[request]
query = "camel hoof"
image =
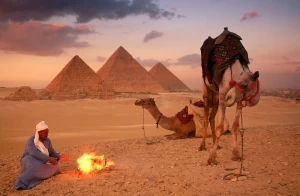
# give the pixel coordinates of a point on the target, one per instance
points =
(212, 161)
(198, 136)
(227, 132)
(236, 158)
(212, 158)
(219, 147)
(202, 148)
(236, 155)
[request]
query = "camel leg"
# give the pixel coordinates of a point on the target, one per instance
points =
(226, 126)
(197, 125)
(213, 115)
(175, 136)
(235, 126)
(219, 129)
(206, 112)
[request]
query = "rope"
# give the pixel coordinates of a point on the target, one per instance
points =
(233, 175)
(242, 130)
(143, 127)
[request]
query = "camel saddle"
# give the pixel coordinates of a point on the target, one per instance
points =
(183, 115)
(219, 53)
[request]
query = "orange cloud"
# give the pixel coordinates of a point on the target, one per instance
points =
(41, 39)
(249, 15)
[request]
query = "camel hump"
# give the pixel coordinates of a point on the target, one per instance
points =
(223, 35)
(198, 110)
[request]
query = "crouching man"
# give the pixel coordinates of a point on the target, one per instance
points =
(39, 160)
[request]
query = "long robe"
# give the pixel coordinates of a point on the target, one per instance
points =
(34, 166)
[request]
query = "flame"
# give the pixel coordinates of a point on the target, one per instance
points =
(88, 163)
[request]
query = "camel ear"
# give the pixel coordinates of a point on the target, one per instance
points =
(255, 75)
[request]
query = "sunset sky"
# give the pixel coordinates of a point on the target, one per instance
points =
(38, 38)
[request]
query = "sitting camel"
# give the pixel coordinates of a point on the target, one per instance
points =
(173, 123)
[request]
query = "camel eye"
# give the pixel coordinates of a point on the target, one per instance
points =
(244, 86)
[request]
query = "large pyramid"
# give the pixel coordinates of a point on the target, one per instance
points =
(124, 74)
(76, 81)
(167, 78)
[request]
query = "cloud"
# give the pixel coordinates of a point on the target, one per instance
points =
(41, 39)
(191, 59)
(151, 62)
(84, 11)
(152, 35)
(101, 58)
(286, 58)
(288, 63)
(181, 16)
(249, 15)
(297, 70)
(146, 62)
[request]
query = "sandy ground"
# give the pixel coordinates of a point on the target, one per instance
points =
(168, 167)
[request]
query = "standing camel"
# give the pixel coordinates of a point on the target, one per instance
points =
(173, 123)
(226, 80)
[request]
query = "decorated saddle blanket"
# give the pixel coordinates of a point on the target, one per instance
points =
(218, 55)
(183, 114)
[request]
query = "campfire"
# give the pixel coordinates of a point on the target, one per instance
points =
(88, 163)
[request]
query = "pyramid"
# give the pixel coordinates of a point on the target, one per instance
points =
(124, 74)
(24, 93)
(167, 78)
(76, 81)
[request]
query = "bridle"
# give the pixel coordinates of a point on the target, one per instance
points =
(256, 83)
(143, 127)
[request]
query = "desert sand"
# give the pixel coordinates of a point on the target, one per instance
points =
(167, 167)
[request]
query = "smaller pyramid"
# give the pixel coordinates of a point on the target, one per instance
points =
(168, 79)
(124, 74)
(24, 93)
(76, 81)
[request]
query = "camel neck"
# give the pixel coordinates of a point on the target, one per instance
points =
(160, 119)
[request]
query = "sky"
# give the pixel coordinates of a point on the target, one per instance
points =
(38, 38)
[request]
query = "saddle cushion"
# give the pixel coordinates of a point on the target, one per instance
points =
(183, 114)
(225, 54)
(222, 56)
(206, 52)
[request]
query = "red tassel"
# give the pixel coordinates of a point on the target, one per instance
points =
(232, 83)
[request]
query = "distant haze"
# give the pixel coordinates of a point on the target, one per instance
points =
(280, 80)
(267, 81)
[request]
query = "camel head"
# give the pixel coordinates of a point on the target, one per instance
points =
(145, 103)
(246, 88)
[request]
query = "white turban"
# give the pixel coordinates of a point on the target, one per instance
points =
(39, 127)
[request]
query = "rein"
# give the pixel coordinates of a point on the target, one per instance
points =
(157, 122)
(143, 127)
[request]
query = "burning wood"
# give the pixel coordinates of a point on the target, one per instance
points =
(88, 163)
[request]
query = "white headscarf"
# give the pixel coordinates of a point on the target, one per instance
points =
(39, 127)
